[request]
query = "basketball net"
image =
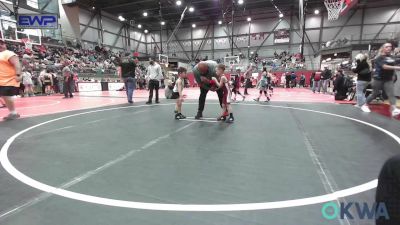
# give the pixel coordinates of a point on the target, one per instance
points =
(334, 8)
(27, 42)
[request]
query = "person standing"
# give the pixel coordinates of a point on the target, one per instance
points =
(325, 79)
(203, 73)
(262, 86)
(28, 83)
(288, 79)
(128, 75)
(247, 81)
(68, 80)
(10, 77)
(363, 72)
(294, 80)
(236, 85)
(223, 84)
(178, 93)
(317, 82)
(302, 80)
(154, 75)
(312, 80)
(385, 66)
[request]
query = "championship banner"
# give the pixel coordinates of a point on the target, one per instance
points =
(281, 36)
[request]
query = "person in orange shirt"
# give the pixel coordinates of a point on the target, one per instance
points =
(10, 77)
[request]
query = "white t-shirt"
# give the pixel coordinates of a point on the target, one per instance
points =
(27, 78)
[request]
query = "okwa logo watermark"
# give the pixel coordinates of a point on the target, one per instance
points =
(355, 210)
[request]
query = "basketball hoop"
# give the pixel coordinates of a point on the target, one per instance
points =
(334, 7)
(27, 42)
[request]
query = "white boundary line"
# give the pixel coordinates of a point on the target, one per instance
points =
(5, 162)
(204, 121)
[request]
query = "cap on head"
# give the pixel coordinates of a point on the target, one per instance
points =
(202, 67)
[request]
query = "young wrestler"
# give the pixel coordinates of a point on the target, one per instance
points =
(262, 85)
(236, 86)
(223, 84)
(177, 92)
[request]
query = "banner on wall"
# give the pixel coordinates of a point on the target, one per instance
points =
(115, 86)
(281, 36)
(89, 87)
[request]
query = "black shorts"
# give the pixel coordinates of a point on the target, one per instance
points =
(175, 95)
(9, 91)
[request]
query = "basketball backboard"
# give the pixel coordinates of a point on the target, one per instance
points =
(163, 59)
(231, 60)
(347, 5)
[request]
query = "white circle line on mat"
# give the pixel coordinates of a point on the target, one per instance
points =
(5, 162)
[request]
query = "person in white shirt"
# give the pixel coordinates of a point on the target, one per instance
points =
(154, 76)
(28, 83)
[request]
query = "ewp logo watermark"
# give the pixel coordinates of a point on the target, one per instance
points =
(37, 21)
(351, 210)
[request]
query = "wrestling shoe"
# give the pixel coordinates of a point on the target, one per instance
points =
(221, 118)
(11, 117)
(179, 116)
(230, 119)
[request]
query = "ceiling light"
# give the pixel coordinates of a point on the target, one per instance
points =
(191, 9)
(240, 2)
(146, 31)
(220, 22)
(139, 26)
(162, 23)
(248, 19)
(178, 2)
(121, 18)
(93, 8)
(145, 14)
(280, 15)
(194, 25)
(316, 12)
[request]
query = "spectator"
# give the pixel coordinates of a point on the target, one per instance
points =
(340, 88)
(28, 83)
(363, 72)
(10, 77)
(385, 66)
(128, 74)
(326, 76)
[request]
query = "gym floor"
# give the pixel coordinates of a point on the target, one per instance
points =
(107, 162)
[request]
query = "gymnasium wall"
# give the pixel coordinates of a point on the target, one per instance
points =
(113, 38)
(358, 26)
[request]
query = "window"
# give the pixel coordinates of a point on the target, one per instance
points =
(33, 3)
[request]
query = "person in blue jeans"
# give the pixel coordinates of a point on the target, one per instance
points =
(325, 78)
(383, 79)
(363, 71)
(128, 69)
